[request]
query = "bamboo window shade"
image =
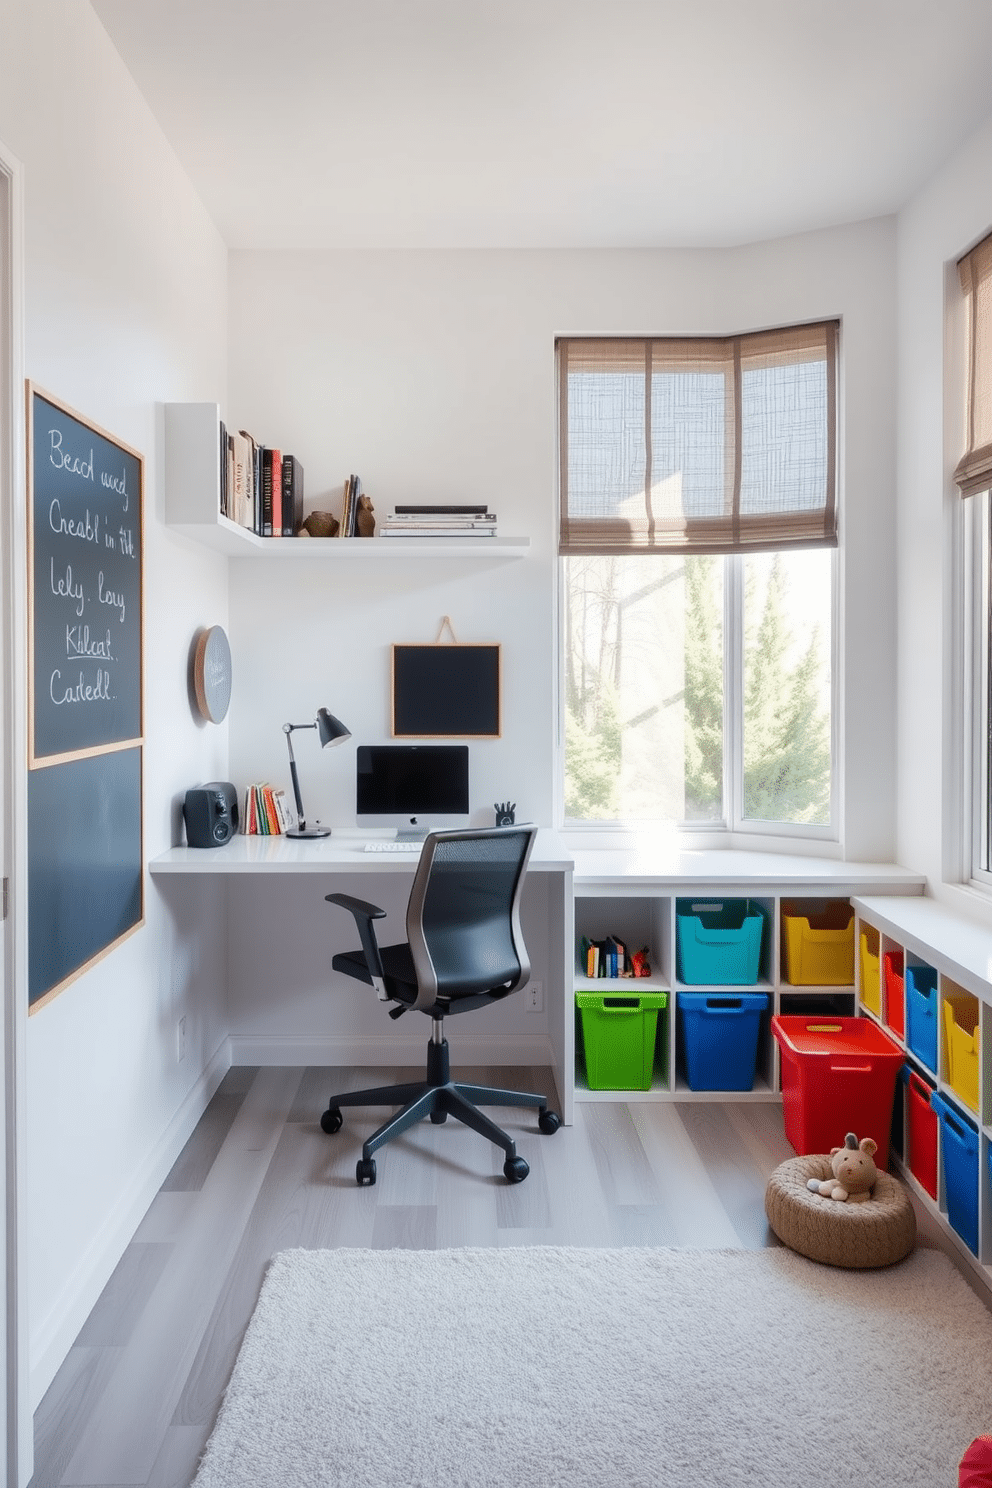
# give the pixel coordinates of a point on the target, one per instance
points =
(699, 445)
(974, 469)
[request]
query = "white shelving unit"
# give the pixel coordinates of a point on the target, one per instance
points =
(926, 934)
(192, 507)
(638, 905)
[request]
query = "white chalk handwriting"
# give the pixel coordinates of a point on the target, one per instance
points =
(62, 460)
(81, 691)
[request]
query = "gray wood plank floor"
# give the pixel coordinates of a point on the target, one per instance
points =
(137, 1396)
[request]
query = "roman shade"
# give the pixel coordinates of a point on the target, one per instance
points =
(698, 445)
(974, 469)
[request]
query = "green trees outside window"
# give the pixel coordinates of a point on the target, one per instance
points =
(698, 689)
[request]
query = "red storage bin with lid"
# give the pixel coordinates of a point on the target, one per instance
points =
(838, 1075)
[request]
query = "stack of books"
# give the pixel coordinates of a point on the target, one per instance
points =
(267, 812)
(440, 521)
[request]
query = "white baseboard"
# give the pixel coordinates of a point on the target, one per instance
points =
(55, 1335)
(384, 1051)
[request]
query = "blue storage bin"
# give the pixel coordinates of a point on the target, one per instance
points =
(720, 1038)
(921, 1014)
(718, 943)
(959, 1150)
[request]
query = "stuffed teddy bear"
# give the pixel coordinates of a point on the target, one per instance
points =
(854, 1172)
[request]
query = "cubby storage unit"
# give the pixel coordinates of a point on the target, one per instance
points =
(721, 907)
(946, 1085)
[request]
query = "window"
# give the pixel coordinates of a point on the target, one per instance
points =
(973, 476)
(698, 518)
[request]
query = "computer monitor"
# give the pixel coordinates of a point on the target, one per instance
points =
(412, 787)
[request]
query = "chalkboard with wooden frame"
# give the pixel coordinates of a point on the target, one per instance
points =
(85, 509)
(445, 691)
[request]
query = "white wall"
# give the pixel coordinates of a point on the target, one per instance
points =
(432, 375)
(941, 223)
(125, 308)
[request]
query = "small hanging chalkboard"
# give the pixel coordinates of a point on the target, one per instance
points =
(445, 691)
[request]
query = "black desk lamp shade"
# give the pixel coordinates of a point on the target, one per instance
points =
(330, 730)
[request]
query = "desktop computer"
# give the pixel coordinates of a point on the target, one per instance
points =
(412, 788)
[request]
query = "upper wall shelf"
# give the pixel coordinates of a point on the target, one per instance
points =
(192, 506)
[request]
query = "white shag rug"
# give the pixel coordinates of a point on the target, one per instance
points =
(636, 1368)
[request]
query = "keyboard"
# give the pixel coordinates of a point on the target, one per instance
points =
(391, 845)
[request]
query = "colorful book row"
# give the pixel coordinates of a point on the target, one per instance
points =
(610, 958)
(267, 813)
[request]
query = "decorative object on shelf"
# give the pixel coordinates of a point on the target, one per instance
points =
(319, 524)
(853, 1172)
(212, 674)
(351, 504)
(330, 730)
(364, 518)
(505, 813)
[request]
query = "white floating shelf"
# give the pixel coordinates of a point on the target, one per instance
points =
(225, 536)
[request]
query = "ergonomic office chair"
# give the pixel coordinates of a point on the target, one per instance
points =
(464, 949)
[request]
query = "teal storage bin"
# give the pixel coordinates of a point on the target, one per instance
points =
(720, 1038)
(718, 943)
(921, 1014)
(959, 1150)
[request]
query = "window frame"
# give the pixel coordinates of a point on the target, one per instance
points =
(977, 641)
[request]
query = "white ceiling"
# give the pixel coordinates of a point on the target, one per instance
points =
(553, 123)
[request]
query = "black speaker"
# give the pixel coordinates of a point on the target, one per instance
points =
(211, 814)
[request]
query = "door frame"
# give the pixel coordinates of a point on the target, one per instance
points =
(17, 1445)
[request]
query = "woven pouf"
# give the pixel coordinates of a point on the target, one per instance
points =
(878, 1232)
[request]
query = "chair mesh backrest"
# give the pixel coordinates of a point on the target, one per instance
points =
(464, 910)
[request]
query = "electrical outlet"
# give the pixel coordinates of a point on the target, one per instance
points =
(181, 1039)
(535, 997)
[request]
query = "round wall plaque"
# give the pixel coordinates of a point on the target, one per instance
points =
(212, 674)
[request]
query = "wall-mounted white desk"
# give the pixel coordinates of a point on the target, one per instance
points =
(593, 892)
(299, 872)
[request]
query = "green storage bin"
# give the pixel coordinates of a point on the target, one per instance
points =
(618, 1035)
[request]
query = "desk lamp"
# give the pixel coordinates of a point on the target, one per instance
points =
(330, 730)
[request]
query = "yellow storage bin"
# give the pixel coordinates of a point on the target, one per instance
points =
(961, 1044)
(819, 943)
(871, 981)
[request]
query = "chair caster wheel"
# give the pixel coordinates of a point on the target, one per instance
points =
(515, 1169)
(332, 1120)
(365, 1172)
(439, 1117)
(549, 1122)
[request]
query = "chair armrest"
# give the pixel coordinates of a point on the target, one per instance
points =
(364, 914)
(356, 906)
